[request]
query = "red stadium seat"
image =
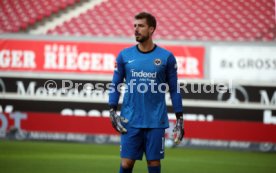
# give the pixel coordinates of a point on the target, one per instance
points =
(233, 20)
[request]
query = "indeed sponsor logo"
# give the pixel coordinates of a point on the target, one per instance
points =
(143, 74)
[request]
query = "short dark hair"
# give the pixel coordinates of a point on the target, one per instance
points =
(151, 21)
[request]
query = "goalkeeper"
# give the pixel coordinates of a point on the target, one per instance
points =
(149, 71)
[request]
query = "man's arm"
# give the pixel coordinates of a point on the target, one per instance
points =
(176, 98)
(118, 77)
(114, 95)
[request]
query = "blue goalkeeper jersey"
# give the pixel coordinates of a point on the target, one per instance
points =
(147, 76)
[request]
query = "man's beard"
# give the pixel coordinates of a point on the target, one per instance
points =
(141, 38)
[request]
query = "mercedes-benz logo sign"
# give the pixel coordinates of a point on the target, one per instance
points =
(237, 94)
(265, 147)
(2, 86)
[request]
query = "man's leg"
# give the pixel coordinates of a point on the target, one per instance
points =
(126, 165)
(154, 144)
(154, 166)
(131, 149)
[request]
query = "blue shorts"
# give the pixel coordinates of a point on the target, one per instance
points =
(143, 140)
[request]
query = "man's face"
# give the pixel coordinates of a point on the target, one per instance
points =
(142, 31)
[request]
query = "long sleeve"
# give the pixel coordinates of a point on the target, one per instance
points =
(171, 76)
(118, 77)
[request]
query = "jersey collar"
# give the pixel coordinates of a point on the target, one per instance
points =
(147, 51)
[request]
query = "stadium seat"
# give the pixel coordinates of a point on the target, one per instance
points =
(227, 20)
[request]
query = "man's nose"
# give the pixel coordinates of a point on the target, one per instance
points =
(136, 27)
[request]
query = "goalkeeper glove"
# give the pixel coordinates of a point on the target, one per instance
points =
(178, 129)
(117, 121)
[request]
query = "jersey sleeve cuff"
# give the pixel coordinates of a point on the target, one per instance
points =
(114, 107)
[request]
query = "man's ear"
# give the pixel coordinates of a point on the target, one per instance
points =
(151, 29)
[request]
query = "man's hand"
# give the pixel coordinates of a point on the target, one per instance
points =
(117, 121)
(178, 130)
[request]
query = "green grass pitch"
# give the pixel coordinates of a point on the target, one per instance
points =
(61, 157)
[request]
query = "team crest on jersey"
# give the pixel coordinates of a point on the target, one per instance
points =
(157, 61)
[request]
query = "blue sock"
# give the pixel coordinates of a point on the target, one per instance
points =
(123, 170)
(154, 169)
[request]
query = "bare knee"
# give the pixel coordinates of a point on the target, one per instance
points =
(153, 162)
(127, 163)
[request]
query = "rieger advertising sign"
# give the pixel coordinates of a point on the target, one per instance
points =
(84, 57)
(244, 63)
